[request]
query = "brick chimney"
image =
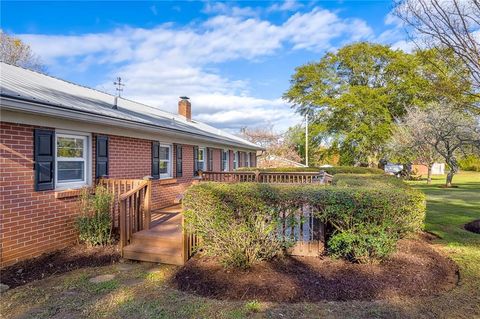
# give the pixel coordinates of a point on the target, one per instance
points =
(185, 108)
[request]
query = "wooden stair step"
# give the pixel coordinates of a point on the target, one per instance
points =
(169, 209)
(171, 239)
(171, 256)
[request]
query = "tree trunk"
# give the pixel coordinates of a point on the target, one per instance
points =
(453, 170)
(449, 178)
(429, 174)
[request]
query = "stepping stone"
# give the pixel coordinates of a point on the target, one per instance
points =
(4, 288)
(101, 278)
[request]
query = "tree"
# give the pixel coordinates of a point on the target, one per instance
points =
(408, 145)
(319, 152)
(447, 130)
(274, 143)
(14, 51)
(451, 24)
(355, 95)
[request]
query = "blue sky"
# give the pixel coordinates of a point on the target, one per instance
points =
(234, 59)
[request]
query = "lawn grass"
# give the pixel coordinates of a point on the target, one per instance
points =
(141, 292)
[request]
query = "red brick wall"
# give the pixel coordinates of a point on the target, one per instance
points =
(217, 166)
(32, 223)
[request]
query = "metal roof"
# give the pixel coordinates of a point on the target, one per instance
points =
(27, 85)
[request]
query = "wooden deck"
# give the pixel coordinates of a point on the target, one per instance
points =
(163, 242)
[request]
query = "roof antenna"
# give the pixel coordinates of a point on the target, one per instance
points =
(119, 85)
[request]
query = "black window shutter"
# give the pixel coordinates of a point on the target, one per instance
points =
(222, 167)
(210, 159)
(44, 159)
(179, 160)
(195, 161)
(102, 156)
(239, 159)
(205, 159)
(155, 159)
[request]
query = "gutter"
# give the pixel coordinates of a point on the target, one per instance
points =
(29, 106)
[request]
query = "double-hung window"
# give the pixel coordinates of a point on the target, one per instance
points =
(247, 159)
(236, 158)
(201, 158)
(72, 160)
(165, 161)
(225, 160)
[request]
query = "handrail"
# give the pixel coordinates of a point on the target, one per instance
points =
(131, 205)
(133, 190)
(320, 177)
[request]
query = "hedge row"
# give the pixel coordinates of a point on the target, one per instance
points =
(369, 181)
(239, 222)
(330, 170)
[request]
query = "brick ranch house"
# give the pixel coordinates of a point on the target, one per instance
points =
(57, 137)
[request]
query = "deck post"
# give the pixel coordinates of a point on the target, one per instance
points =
(257, 175)
(148, 205)
(123, 226)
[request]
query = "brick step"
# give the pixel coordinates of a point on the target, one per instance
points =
(172, 256)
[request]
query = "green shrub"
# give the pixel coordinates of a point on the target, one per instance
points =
(238, 222)
(330, 170)
(363, 244)
(470, 163)
(368, 180)
(94, 224)
(233, 225)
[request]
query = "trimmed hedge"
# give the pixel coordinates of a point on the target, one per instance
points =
(238, 222)
(368, 180)
(330, 170)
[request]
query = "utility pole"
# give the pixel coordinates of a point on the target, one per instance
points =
(306, 139)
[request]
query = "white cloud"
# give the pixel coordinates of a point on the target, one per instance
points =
(289, 5)
(225, 9)
(161, 63)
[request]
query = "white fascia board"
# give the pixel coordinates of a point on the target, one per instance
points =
(100, 124)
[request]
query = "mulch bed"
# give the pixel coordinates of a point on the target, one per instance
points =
(473, 226)
(415, 270)
(58, 262)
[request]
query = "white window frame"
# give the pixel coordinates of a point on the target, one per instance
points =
(169, 173)
(248, 159)
(87, 159)
(204, 151)
(236, 159)
(226, 167)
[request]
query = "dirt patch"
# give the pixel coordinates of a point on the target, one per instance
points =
(415, 270)
(58, 262)
(473, 226)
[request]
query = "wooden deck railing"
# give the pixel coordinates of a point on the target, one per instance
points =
(268, 177)
(131, 207)
(191, 242)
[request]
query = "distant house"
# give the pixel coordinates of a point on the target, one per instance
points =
(437, 169)
(57, 137)
(271, 161)
(420, 169)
